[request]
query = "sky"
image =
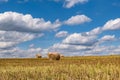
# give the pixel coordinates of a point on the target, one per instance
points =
(70, 27)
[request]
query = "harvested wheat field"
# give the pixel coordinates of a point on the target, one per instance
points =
(67, 68)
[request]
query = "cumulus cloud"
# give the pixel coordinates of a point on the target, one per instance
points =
(107, 38)
(77, 50)
(7, 44)
(95, 31)
(65, 49)
(69, 47)
(11, 38)
(71, 3)
(31, 46)
(13, 21)
(16, 28)
(78, 19)
(61, 34)
(17, 52)
(109, 25)
(69, 50)
(79, 39)
(89, 43)
(112, 24)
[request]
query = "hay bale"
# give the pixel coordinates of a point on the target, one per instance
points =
(38, 56)
(61, 55)
(54, 56)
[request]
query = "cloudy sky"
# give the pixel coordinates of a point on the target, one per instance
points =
(71, 27)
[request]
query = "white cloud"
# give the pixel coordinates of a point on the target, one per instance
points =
(89, 43)
(69, 50)
(61, 34)
(17, 52)
(107, 38)
(78, 19)
(95, 31)
(16, 28)
(69, 47)
(71, 3)
(31, 46)
(77, 50)
(65, 49)
(79, 39)
(11, 38)
(7, 44)
(106, 50)
(112, 24)
(13, 21)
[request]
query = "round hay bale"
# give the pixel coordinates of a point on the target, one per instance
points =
(38, 56)
(54, 56)
(61, 55)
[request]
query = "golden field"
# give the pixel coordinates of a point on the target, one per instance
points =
(68, 68)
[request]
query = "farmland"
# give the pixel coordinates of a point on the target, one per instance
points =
(68, 68)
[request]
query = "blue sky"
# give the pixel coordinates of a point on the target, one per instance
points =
(71, 27)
